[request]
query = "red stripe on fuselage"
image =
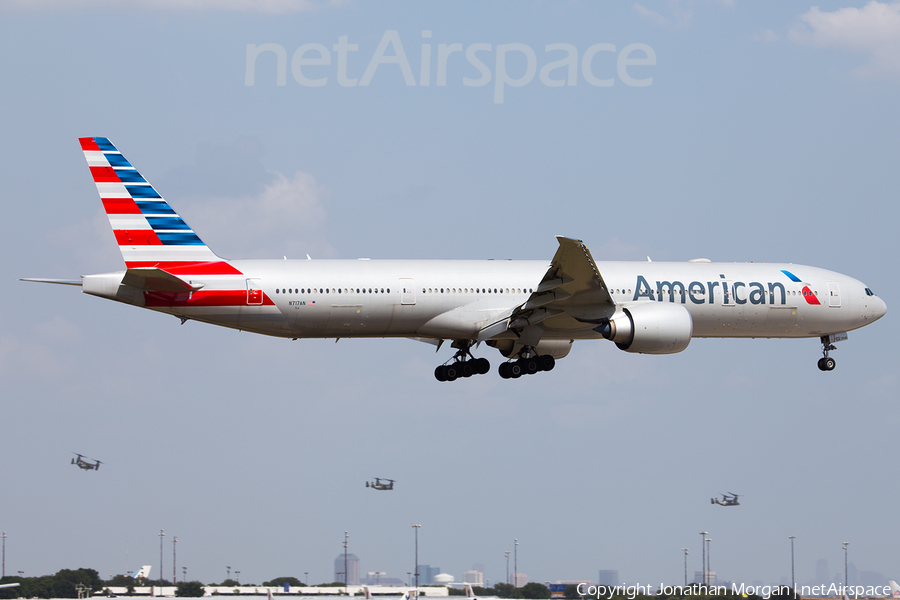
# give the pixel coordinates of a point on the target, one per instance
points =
(137, 237)
(104, 175)
(88, 143)
(182, 267)
(810, 297)
(202, 298)
(120, 206)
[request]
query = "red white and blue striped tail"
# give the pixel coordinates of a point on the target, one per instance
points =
(149, 232)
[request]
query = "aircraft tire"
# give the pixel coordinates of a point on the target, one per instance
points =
(482, 366)
(451, 372)
(466, 368)
(531, 365)
(547, 362)
(515, 370)
(439, 373)
(829, 364)
(504, 370)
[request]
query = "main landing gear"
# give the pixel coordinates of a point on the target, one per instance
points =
(826, 363)
(527, 366)
(463, 365)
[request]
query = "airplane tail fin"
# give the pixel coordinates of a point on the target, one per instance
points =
(469, 592)
(368, 593)
(895, 589)
(144, 572)
(149, 232)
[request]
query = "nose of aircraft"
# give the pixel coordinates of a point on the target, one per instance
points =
(879, 309)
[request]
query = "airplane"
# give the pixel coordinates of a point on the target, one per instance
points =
(8, 585)
(85, 463)
(728, 499)
(531, 311)
(377, 485)
(144, 572)
(470, 593)
(895, 589)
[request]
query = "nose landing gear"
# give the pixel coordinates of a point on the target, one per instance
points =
(826, 363)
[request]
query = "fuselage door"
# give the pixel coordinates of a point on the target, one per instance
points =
(834, 294)
(407, 291)
(254, 292)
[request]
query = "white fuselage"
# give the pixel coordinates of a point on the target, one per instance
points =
(451, 299)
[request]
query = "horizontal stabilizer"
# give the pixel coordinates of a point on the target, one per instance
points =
(56, 281)
(152, 279)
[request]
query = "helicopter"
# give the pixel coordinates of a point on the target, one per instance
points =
(377, 485)
(728, 499)
(86, 463)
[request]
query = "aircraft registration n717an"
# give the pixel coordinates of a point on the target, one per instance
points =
(531, 311)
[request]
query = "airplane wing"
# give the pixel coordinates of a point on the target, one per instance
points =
(9, 585)
(571, 295)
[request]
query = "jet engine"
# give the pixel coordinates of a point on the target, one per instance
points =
(649, 328)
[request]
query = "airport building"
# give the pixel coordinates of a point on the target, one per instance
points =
(608, 577)
(474, 578)
(352, 569)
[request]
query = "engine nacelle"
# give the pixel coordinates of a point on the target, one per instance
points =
(555, 348)
(650, 328)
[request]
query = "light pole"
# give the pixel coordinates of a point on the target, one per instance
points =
(417, 527)
(161, 534)
(346, 545)
(3, 535)
(845, 544)
(793, 587)
(174, 562)
(515, 576)
(228, 572)
(703, 557)
(708, 570)
(184, 573)
(507, 566)
(306, 575)
(237, 577)
(685, 550)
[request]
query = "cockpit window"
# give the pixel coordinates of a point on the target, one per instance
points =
(869, 292)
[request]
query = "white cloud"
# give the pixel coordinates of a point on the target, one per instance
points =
(766, 35)
(287, 218)
(680, 16)
(872, 29)
(681, 12)
(261, 6)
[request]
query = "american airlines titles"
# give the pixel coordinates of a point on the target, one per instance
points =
(697, 292)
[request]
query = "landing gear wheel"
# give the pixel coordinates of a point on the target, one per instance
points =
(504, 370)
(466, 368)
(451, 372)
(547, 362)
(439, 373)
(515, 369)
(828, 363)
(821, 364)
(531, 365)
(482, 366)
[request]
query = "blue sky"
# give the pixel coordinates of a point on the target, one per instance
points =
(768, 133)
